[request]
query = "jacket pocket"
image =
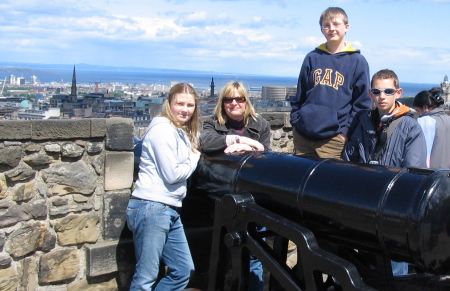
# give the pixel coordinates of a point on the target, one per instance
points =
(317, 121)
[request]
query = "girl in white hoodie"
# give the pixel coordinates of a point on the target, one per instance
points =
(169, 156)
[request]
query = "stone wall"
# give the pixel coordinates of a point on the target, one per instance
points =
(64, 188)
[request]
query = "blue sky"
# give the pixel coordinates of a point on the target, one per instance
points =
(267, 37)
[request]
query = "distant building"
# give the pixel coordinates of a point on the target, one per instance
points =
(212, 88)
(277, 92)
(446, 88)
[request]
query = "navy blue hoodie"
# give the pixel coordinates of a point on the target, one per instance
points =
(331, 89)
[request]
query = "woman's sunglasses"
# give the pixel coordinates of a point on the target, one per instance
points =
(229, 100)
(388, 91)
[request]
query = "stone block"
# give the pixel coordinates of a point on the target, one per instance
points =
(61, 129)
(15, 129)
(276, 119)
(98, 127)
(10, 157)
(110, 257)
(114, 218)
(23, 212)
(70, 178)
(77, 229)
(29, 238)
(29, 273)
(120, 134)
(8, 279)
(59, 266)
(119, 168)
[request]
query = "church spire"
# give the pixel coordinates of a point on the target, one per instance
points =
(212, 88)
(73, 91)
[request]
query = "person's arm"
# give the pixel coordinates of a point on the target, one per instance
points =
(300, 97)
(210, 139)
(164, 143)
(415, 150)
(360, 95)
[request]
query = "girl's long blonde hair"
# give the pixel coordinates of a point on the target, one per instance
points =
(192, 126)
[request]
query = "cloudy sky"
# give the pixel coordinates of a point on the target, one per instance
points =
(268, 37)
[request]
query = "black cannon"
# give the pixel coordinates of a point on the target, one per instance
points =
(348, 221)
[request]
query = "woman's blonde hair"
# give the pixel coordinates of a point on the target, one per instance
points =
(192, 126)
(228, 90)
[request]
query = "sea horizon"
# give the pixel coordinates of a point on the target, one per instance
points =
(146, 77)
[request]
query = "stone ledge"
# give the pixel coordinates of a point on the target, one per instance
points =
(119, 131)
(110, 257)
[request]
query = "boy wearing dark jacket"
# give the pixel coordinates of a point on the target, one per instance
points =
(387, 135)
(332, 88)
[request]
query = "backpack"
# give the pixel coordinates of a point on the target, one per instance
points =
(385, 135)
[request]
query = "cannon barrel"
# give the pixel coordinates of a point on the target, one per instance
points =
(402, 214)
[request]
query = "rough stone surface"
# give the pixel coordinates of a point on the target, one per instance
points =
(119, 136)
(98, 163)
(98, 127)
(5, 261)
(94, 147)
(77, 229)
(115, 205)
(24, 192)
(70, 208)
(3, 188)
(29, 238)
(20, 173)
(29, 279)
(23, 212)
(69, 178)
(110, 257)
(8, 279)
(2, 241)
(71, 150)
(61, 129)
(38, 159)
(10, 157)
(15, 130)
(59, 265)
(110, 285)
(32, 147)
(52, 148)
(119, 167)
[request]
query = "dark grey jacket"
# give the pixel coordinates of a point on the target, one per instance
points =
(405, 148)
(213, 136)
(440, 150)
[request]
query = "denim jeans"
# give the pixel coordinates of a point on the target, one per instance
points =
(158, 235)
(399, 268)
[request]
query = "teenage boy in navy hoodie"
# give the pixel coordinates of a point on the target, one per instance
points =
(332, 87)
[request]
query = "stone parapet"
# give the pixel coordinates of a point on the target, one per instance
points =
(64, 187)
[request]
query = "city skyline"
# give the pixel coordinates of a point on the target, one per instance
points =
(265, 37)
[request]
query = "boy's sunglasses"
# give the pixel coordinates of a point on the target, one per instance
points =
(229, 100)
(388, 91)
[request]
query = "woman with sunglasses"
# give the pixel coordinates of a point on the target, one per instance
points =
(435, 124)
(235, 126)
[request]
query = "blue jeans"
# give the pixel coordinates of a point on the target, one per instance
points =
(399, 268)
(158, 234)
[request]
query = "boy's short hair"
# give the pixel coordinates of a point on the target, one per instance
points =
(386, 74)
(333, 12)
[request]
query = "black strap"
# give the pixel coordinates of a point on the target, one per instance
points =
(385, 135)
